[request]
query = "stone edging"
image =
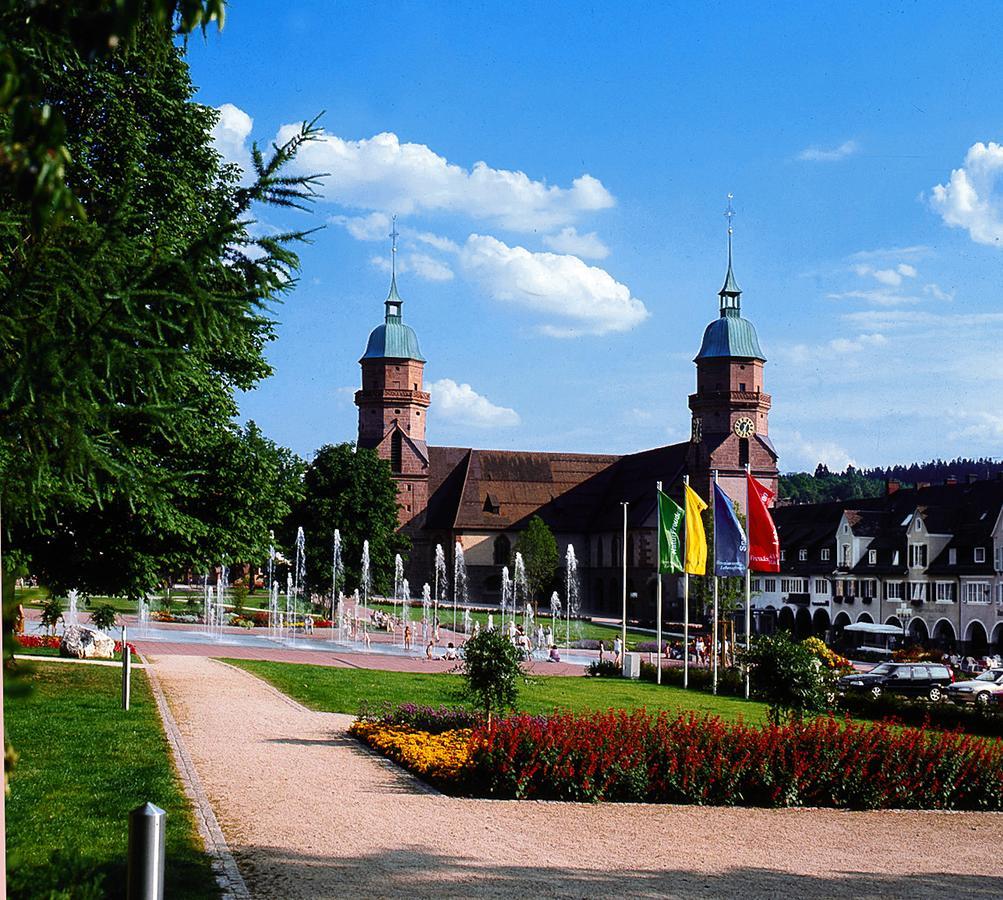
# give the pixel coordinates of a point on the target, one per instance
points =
(224, 865)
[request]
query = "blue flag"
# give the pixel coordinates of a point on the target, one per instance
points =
(730, 547)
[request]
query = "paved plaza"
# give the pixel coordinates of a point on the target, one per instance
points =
(309, 812)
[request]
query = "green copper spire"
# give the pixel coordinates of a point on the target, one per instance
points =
(731, 293)
(393, 339)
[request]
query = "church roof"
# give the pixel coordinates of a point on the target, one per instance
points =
(393, 339)
(733, 336)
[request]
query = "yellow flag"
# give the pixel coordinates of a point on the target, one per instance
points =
(696, 538)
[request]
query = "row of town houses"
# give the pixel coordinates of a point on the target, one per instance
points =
(928, 560)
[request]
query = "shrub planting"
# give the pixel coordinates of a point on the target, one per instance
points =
(634, 757)
(433, 719)
(604, 669)
(789, 676)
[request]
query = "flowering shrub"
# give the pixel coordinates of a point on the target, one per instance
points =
(830, 659)
(161, 615)
(688, 759)
(51, 642)
(438, 758)
(433, 719)
(605, 669)
(38, 641)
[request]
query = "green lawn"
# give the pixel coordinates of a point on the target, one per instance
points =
(53, 651)
(342, 690)
(84, 763)
(588, 630)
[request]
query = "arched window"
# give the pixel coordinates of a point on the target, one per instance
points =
(743, 452)
(396, 452)
(503, 550)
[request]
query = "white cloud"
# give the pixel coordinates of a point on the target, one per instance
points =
(882, 297)
(381, 173)
(857, 344)
(800, 453)
(831, 154)
(421, 264)
(433, 240)
(938, 293)
(230, 134)
(374, 227)
(981, 425)
(568, 240)
(906, 270)
(968, 200)
(586, 299)
(915, 250)
(881, 320)
(461, 403)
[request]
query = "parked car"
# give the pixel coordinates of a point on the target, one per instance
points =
(981, 690)
(907, 679)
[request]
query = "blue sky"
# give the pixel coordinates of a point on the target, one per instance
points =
(560, 174)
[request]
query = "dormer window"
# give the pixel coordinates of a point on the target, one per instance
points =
(872, 557)
(802, 555)
(980, 554)
(952, 557)
(919, 525)
(846, 529)
(491, 505)
(825, 555)
(783, 555)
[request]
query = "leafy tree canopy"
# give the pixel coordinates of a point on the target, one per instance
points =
(491, 670)
(126, 334)
(539, 553)
(352, 490)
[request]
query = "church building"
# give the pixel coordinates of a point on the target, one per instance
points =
(484, 498)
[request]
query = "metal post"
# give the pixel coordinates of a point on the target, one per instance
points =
(623, 624)
(748, 579)
(145, 873)
(658, 592)
(714, 639)
(686, 603)
(126, 670)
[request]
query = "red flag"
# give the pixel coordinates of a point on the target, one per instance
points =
(764, 545)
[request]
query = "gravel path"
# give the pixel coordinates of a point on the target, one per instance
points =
(308, 812)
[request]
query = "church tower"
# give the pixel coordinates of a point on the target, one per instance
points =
(392, 403)
(730, 424)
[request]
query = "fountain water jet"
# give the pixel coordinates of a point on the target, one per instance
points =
(459, 579)
(571, 587)
(441, 583)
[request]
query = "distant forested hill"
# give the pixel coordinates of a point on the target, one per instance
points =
(823, 485)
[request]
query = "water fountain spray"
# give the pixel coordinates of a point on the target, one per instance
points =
(337, 569)
(571, 586)
(441, 584)
(459, 579)
(367, 578)
(71, 612)
(506, 594)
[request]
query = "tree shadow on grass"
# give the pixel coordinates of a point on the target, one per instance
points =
(275, 872)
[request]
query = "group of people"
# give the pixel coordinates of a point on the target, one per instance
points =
(701, 651)
(973, 664)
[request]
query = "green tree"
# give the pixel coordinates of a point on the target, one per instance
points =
(789, 676)
(539, 553)
(126, 337)
(491, 671)
(352, 490)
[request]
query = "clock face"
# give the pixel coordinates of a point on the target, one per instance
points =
(745, 427)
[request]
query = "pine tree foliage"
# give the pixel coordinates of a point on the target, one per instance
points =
(126, 333)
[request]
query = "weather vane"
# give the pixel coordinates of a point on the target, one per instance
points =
(730, 213)
(394, 234)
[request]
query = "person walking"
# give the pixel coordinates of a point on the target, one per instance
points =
(617, 651)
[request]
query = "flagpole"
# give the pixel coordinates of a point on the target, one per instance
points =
(748, 577)
(658, 590)
(623, 622)
(686, 598)
(714, 638)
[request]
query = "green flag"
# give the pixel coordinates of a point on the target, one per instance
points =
(670, 541)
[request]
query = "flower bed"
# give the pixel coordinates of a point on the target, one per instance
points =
(51, 642)
(688, 759)
(437, 758)
(433, 719)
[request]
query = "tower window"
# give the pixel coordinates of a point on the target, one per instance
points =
(396, 452)
(741, 385)
(415, 386)
(397, 412)
(743, 452)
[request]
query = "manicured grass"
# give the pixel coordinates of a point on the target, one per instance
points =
(579, 630)
(52, 651)
(84, 764)
(342, 690)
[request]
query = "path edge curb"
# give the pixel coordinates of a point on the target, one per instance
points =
(228, 876)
